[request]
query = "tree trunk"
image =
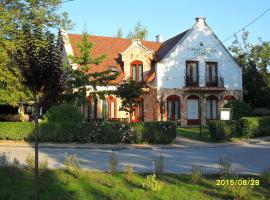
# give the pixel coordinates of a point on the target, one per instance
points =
(36, 149)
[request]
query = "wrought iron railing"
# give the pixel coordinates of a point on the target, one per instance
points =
(204, 81)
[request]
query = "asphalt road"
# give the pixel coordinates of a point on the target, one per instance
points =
(251, 158)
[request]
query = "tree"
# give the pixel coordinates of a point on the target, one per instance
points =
(139, 32)
(81, 82)
(119, 33)
(129, 91)
(254, 60)
(26, 22)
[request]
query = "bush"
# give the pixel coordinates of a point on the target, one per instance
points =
(221, 130)
(159, 132)
(250, 127)
(16, 130)
(152, 184)
(129, 172)
(113, 163)
(63, 113)
(239, 109)
(86, 132)
(196, 174)
(159, 165)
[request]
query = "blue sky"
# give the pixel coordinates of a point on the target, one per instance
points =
(169, 17)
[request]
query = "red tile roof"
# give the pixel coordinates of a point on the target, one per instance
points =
(110, 46)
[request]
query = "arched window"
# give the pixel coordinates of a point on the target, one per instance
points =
(109, 108)
(228, 98)
(211, 107)
(193, 110)
(136, 71)
(173, 107)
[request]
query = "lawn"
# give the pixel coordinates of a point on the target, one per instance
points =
(61, 185)
(194, 133)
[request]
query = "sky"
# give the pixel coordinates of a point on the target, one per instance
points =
(169, 17)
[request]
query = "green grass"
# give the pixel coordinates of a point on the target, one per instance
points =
(194, 133)
(61, 185)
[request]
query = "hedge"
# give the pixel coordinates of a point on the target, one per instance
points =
(16, 130)
(220, 130)
(95, 132)
(239, 109)
(250, 127)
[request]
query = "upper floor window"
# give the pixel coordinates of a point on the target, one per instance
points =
(192, 72)
(136, 73)
(211, 72)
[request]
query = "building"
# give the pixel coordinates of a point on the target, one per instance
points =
(186, 75)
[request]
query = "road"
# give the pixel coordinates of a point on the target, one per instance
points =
(248, 158)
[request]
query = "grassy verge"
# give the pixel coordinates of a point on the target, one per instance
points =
(62, 185)
(194, 133)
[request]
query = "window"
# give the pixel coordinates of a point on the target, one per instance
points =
(173, 107)
(136, 71)
(193, 110)
(211, 73)
(109, 107)
(211, 107)
(192, 74)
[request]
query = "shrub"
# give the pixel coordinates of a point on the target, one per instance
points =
(113, 163)
(128, 172)
(152, 184)
(239, 192)
(159, 165)
(63, 113)
(225, 166)
(4, 159)
(265, 176)
(72, 164)
(249, 127)
(16, 130)
(196, 174)
(86, 132)
(30, 163)
(221, 130)
(239, 109)
(159, 132)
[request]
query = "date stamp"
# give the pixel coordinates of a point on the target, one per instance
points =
(243, 182)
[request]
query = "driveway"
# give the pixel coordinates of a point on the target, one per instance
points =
(246, 158)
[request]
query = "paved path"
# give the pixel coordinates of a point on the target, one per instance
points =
(246, 157)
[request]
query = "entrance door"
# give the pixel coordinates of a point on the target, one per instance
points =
(137, 115)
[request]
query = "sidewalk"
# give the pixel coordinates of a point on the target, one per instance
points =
(181, 142)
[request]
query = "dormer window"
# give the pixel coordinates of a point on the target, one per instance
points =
(136, 73)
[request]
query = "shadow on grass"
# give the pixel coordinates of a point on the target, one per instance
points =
(194, 133)
(18, 184)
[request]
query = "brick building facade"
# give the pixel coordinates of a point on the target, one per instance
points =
(185, 76)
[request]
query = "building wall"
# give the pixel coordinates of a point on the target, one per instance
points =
(171, 70)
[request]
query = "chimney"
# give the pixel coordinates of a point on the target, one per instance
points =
(200, 20)
(159, 38)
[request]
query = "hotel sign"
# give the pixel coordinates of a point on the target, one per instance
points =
(200, 51)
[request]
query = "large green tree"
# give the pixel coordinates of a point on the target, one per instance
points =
(254, 60)
(15, 15)
(26, 25)
(81, 82)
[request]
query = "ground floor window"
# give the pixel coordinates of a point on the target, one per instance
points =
(193, 110)
(211, 107)
(173, 107)
(109, 108)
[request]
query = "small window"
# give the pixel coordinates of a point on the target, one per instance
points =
(137, 71)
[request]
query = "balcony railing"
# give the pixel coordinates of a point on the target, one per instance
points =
(204, 81)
